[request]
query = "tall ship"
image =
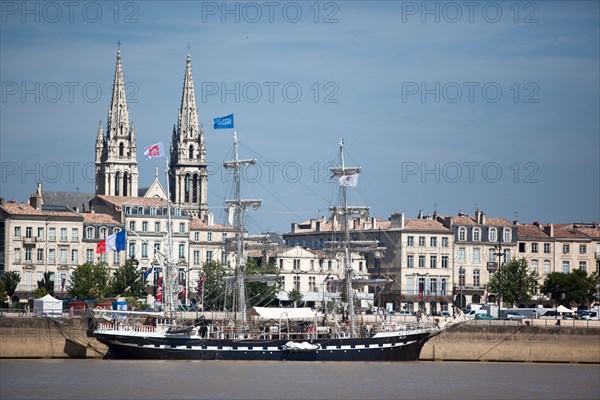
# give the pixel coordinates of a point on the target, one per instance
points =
(266, 333)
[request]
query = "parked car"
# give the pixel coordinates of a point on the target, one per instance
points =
(513, 316)
(485, 317)
(405, 314)
(445, 314)
(592, 315)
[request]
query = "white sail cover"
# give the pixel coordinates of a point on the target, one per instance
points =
(304, 313)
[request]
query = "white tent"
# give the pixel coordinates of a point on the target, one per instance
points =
(47, 306)
(563, 309)
(304, 313)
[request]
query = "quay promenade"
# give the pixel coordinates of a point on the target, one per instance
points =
(534, 340)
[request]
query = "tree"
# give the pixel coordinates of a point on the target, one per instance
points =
(11, 280)
(127, 280)
(578, 287)
(3, 294)
(39, 293)
(516, 282)
(259, 293)
(46, 284)
(90, 281)
(214, 286)
(294, 295)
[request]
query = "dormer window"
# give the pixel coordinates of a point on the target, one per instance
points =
(493, 235)
(140, 210)
(89, 232)
(462, 233)
(152, 210)
(507, 235)
(127, 209)
(103, 232)
(476, 234)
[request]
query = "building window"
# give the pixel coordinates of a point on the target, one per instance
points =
(144, 226)
(40, 255)
(546, 267)
(476, 278)
(152, 210)
(144, 250)
(312, 284)
(103, 233)
(433, 241)
(547, 248)
(566, 267)
(156, 226)
(492, 235)
(583, 265)
(132, 225)
(89, 255)
(296, 263)
(89, 232)
(224, 258)
(444, 261)
(461, 277)
(566, 249)
(102, 257)
(209, 236)
(127, 209)
(75, 256)
(476, 234)
(444, 289)
(197, 257)
(140, 210)
(52, 256)
(410, 261)
(421, 261)
(432, 261)
(28, 232)
(209, 256)
(444, 242)
(75, 235)
(462, 233)
(181, 250)
(461, 254)
(582, 249)
(507, 255)
(40, 234)
(433, 286)
(196, 236)
(18, 232)
(28, 254)
(156, 248)
(421, 241)
(312, 265)
(410, 241)
(476, 256)
(297, 283)
(507, 235)
(181, 227)
(534, 247)
(63, 256)
(63, 234)
(522, 247)
(52, 234)
(329, 265)
(534, 266)
(131, 250)
(492, 255)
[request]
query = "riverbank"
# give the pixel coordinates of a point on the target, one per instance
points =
(503, 341)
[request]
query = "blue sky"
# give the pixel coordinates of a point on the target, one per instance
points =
(443, 104)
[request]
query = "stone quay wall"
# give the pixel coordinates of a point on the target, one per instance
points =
(494, 341)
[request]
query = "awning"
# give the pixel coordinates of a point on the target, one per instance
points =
(274, 313)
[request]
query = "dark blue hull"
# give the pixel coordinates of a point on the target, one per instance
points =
(394, 348)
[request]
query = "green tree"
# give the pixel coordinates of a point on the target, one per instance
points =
(295, 296)
(47, 284)
(11, 280)
(578, 287)
(261, 294)
(3, 294)
(214, 286)
(39, 292)
(128, 279)
(90, 281)
(516, 282)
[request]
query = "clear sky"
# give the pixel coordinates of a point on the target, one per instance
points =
(443, 104)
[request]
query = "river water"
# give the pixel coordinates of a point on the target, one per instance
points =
(116, 379)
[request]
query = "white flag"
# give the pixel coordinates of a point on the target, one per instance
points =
(349, 180)
(156, 150)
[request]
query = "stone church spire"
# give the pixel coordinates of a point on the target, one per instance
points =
(188, 176)
(116, 163)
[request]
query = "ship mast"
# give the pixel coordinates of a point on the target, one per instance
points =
(169, 292)
(239, 205)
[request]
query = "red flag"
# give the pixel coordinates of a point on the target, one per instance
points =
(159, 289)
(101, 247)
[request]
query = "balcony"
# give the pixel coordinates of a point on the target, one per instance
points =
(598, 255)
(29, 241)
(469, 290)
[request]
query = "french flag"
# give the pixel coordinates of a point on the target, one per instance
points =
(115, 242)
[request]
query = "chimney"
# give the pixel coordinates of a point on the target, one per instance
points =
(461, 213)
(209, 219)
(35, 201)
(294, 227)
(397, 219)
(549, 230)
(230, 215)
(537, 223)
(318, 225)
(373, 223)
(420, 216)
(482, 218)
(478, 216)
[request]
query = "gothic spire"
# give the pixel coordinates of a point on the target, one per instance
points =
(118, 114)
(188, 113)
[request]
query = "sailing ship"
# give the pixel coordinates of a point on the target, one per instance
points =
(262, 333)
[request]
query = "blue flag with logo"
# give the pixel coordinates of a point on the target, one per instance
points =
(225, 122)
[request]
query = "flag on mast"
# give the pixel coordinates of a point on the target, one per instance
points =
(348, 180)
(115, 242)
(225, 122)
(155, 150)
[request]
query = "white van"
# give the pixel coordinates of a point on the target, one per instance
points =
(592, 316)
(471, 314)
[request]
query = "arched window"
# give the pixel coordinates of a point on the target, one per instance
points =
(117, 183)
(121, 149)
(195, 187)
(89, 232)
(116, 230)
(507, 235)
(127, 209)
(476, 234)
(140, 210)
(191, 152)
(186, 189)
(125, 184)
(103, 232)
(492, 237)
(152, 210)
(462, 233)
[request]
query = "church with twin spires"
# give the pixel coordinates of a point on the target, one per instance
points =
(116, 151)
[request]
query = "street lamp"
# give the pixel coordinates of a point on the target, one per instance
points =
(421, 291)
(461, 272)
